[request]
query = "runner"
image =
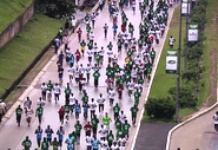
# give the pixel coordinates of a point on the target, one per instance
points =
(126, 127)
(122, 117)
(61, 114)
(49, 133)
(122, 142)
(89, 142)
(116, 109)
(29, 112)
(55, 144)
(96, 76)
(70, 141)
(79, 34)
(38, 133)
(60, 134)
(104, 144)
(111, 96)
(27, 143)
(45, 144)
(57, 92)
(101, 101)
(92, 108)
(107, 120)
(110, 138)
(19, 112)
(95, 122)
(39, 113)
(67, 93)
(77, 109)
(134, 111)
(88, 129)
(83, 44)
(95, 143)
(44, 90)
(102, 132)
(72, 100)
(78, 128)
(67, 111)
(105, 30)
(115, 146)
(85, 110)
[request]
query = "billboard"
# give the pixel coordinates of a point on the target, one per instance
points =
(193, 33)
(171, 62)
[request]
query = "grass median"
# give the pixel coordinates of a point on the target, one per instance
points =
(10, 10)
(19, 52)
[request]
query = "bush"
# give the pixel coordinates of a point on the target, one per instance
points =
(186, 96)
(160, 107)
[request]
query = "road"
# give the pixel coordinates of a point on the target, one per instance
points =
(11, 135)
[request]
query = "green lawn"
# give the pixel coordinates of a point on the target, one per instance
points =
(10, 10)
(18, 53)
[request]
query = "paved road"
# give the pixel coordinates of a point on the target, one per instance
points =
(11, 135)
(152, 136)
(197, 134)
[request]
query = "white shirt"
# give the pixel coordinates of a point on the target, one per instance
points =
(101, 52)
(138, 87)
(72, 100)
(122, 117)
(88, 69)
(130, 85)
(56, 89)
(101, 100)
(73, 22)
(91, 36)
(81, 69)
(110, 53)
(89, 52)
(136, 60)
(122, 141)
(111, 94)
(102, 132)
(76, 73)
(41, 102)
(93, 106)
(89, 141)
(43, 88)
(171, 41)
(104, 145)
(71, 70)
(113, 147)
(215, 118)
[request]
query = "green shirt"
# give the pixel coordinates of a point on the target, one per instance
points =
(95, 122)
(49, 87)
(128, 77)
(27, 144)
(55, 145)
(148, 70)
(134, 110)
(39, 111)
(126, 127)
(153, 54)
(108, 73)
(119, 133)
(141, 81)
(110, 46)
(83, 43)
(85, 98)
(116, 109)
(96, 75)
(110, 138)
(88, 28)
(78, 128)
(45, 145)
(97, 58)
(19, 111)
(106, 121)
(67, 108)
(140, 42)
(118, 124)
(67, 91)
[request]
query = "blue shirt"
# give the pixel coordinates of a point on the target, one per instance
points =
(95, 143)
(38, 133)
(70, 142)
(77, 107)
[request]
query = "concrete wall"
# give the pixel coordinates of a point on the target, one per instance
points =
(16, 26)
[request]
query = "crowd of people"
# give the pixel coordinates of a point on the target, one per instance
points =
(140, 56)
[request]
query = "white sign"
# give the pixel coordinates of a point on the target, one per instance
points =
(184, 8)
(171, 64)
(193, 33)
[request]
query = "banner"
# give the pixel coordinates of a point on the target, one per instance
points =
(185, 4)
(193, 33)
(171, 62)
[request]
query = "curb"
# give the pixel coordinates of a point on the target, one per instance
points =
(35, 80)
(152, 77)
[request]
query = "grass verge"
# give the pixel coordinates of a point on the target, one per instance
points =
(10, 10)
(18, 53)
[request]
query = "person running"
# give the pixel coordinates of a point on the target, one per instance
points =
(104, 144)
(57, 92)
(55, 144)
(92, 108)
(107, 120)
(122, 142)
(95, 143)
(88, 70)
(49, 133)
(116, 109)
(153, 54)
(101, 53)
(79, 34)
(115, 30)
(96, 76)
(101, 101)
(78, 128)
(110, 138)
(29, 112)
(44, 90)
(45, 144)
(49, 90)
(60, 134)
(67, 92)
(89, 142)
(77, 109)
(120, 132)
(95, 122)
(61, 114)
(38, 133)
(67, 111)
(88, 129)
(60, 75)
(111, 96)
(102, 132)
(105, 30)
(72, 100)
(122, 117)
(85, 110)
(215, 118)
(19, 112)
(137, 95)
(70, 141)
(26, 143)
(126, 127)
(39, 113)
(134, 111)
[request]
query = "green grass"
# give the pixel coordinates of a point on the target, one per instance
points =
(18, 53)
(162, 81)
(211, 33)
(10, 10)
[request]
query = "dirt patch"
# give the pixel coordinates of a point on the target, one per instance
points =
(12, 98)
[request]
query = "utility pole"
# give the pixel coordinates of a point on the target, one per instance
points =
(178, 65)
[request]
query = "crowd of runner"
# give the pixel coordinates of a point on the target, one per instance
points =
(140, 56)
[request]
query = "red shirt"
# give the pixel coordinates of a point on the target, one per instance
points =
(88, 127)
(61, 111)
(79, 32)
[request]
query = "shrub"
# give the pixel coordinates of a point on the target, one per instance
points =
(160, 107)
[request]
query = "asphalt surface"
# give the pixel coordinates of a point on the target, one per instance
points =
(152, 136)
(11, 135)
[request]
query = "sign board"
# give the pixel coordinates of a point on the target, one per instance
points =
(185, 4)
(193, 33)
(171, 62)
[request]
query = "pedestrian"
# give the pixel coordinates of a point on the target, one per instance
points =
(67, 93)
(122, 117)
(93, 16)
(67, 111)
(171, 41)
(126, 127)
(153, 54)
(60, 134)
(77, 109)
(96, 76)
(107, 120)
(73, 23)
(95, 122)
(57, 92)
(78, 128)
(116, 110)
(27, 103)
(49, 133)
(79, 32)
(89, 142)
(38, 133)
(57, 44)
(67, 26)
(134, 111)
(60, 75)
(101, 101)
(122, 142)
(114, 30)
(61, 114)
(19, 112)
(70, 142)
(77, 55)
(102, 132)
(39, 113)
(110, 138)
(45, 144)
(88, 129)
(92, 107)
(83, 44)
(105, 30)
(55, 144)
(215, 118)
(95, 143)
(29, 112)
(26, 143)
(66, 42)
